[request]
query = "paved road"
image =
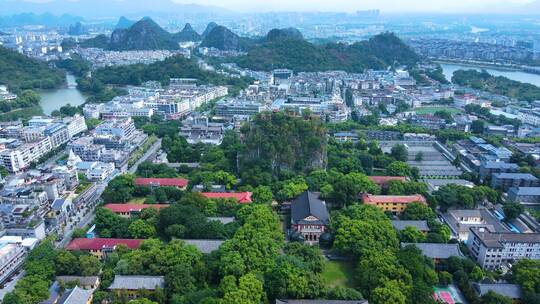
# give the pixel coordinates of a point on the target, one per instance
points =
(153, 149)
(86, 215)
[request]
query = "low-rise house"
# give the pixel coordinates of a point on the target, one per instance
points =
(418, 137)
(383, 135)
(89, 282)
(420, 225)
(435, 183)
(382, 181)
(495, 249)
(504, 181)
(132, 285)
(437, 252)
(205, 246)
(128, 210)
(100, 247)
(512, 291)
(309, 217)
(428, 121)
(492, 167)
(527, 196)
(346, 136)
(200, 130)
(395, 204)
(180, 183)
(77, 296)
(222, 219)
(240, 197)
(461, 220)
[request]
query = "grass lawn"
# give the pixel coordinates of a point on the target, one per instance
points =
(432, 110)
(338, 274)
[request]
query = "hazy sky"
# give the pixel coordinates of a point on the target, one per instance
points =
(353, 5)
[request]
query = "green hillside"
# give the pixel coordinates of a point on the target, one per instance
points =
(378, 52)
(20, 72)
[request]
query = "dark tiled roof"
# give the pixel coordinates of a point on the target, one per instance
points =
(84, 281)
(308, 204)
(525, 191)
(497, 239)
(76, 296)
(525, 176)
(205, 246)
(437, 251)
(500, 165)
(136, 282)
(420, 225)
(513, 291)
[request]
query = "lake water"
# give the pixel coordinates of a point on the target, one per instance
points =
(54, 99)
(450, 68)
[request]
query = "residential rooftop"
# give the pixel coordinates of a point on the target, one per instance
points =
(101, 243)
(137, 282)
(497, 239)
(241, 197)
(420, 225)
(436, 250)
(125, 208)
(513, 291)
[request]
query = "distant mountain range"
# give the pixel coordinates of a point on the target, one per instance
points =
(144, 34)
(280, 48)
(222, 38)
(187, 34)
(124, 23)
(105, 8)
(77, 29)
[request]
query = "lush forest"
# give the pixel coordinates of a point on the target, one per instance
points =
(26, 99)
(496, 84)
(379, 52)
(278, 141)
(20, 72)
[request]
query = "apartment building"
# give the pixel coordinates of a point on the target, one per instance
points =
(505, 181)
(495, 249)
(392, 203)
(123, 128)
(75, 125)
(489, 168)
(19, 158)
(527, 196)
(11, 259)
(58, 134)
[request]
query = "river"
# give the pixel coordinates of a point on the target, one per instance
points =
(450, 68)
(54, 99)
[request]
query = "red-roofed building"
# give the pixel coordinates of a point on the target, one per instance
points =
(180, 183)
(127, 210)
(241, 197)
(382, 181)
(100, 247)
(393, 203)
